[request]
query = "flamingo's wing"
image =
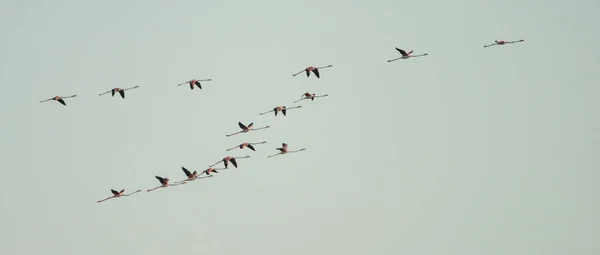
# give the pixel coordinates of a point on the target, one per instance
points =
(198, 84)
(61, 101)
(402, 52)
(233, 162)
(307, 72)
(283, 111)
(275, 111)
(160, 179)
(195, 173)
(250, 125)
(316, 71)
(250, 147)
(113, 92)
(242, 126)
(123, 190)
(122, 92)
(187, 172)
(284, 145)
(114, 192)
(307, 94)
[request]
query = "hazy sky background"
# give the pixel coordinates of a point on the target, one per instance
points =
(466, 151)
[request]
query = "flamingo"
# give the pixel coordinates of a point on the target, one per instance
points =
(120, 90)
(309, 96)
(249, 145)
(119, 194)
(192, 176)
(501, 42)
(210, 170)
(406, 55)
(315, 70)
(194, 82)
(246, 129)
(59, 99)
(283, 109)
(164, 183)
(228, 159)
(284, 150)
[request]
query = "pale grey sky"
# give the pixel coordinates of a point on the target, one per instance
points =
(467, 151)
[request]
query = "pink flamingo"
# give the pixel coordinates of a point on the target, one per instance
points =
(406, 55)
(315, 70)
(59, 99)
(119, 194)
(210, 170)
(194, 82)
(309, 96)
(501, 42)
(246, 129)
(165, 183)
(284, 150)
(244, 145)
(228, 159)
(283, 109)
(192, 176)
(120, 90)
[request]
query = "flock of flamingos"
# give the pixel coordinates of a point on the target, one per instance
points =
(191, 176)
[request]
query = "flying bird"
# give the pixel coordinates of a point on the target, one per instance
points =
(315, 70)
(246, 129)
(194, 82)
(211, 170)
(165, 183)
(406, 55)
(309, 96)
(248, 145)
(59, 99)
(228, 159)
(283, 109)
(501, 42)
(284, 150)
(192, 175)
(120, 90)
(119, 194)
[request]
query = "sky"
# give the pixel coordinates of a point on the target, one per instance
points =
(466, 151)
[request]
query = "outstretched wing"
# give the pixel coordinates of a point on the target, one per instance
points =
(284, 145)
(122, 92)
(187, 172)
(233, 162)
(250, 147)
(402, 52)
(316, 71)
(160, 179)
(242, 126)
(114, 192)
(61, 101)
